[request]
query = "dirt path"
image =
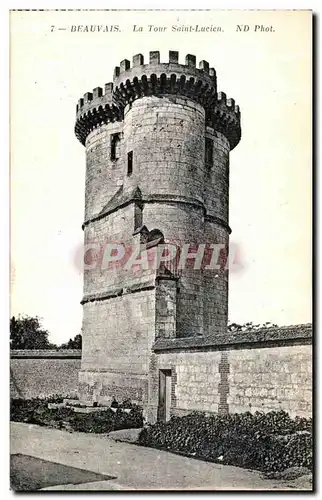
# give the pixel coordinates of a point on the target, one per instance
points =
(132, 467)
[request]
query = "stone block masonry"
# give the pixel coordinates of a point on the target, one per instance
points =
(37, 373)
(271, 379)
(269, 369)
(264, 370)
(117, 348)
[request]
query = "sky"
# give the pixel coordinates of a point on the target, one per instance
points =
(268, 73)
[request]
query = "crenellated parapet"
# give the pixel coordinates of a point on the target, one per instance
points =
(126, 71)
(95, 109)
(137, 80)
(224, 117)
(156, 78)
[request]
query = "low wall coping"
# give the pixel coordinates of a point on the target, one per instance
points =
(46, 353)
(261, 338)
(251, 339)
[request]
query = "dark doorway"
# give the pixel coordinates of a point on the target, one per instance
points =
(164, 395)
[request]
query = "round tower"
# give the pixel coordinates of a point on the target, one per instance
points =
(157, 171)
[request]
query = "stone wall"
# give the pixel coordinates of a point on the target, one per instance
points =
(271, 379)
(44, 373)
(264, 370)
(117, 347)
(267, 369)
(103, 173)
(216, 195)
(167, 137)
(117, 229)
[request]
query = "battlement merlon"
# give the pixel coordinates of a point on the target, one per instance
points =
(125, 71)
(94, 109)
(204, 77)
(98, 97)
(155, 78)
(224, 117)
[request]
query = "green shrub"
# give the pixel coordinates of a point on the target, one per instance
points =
(107, 420)
(36, 411)
(267, 442)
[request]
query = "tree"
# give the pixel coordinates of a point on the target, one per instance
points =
(75, 343)
(26, 332)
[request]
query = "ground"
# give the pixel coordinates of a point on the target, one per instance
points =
(43, 458)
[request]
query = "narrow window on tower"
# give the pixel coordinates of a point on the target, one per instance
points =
(138, 216)
(129, 163)
(115, 138)
(209, 151)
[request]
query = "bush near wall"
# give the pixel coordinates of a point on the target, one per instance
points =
(36, 411)
(266, 442)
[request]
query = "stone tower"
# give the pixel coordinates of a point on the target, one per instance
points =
(157, 145)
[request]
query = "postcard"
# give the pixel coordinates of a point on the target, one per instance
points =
(161, 250)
